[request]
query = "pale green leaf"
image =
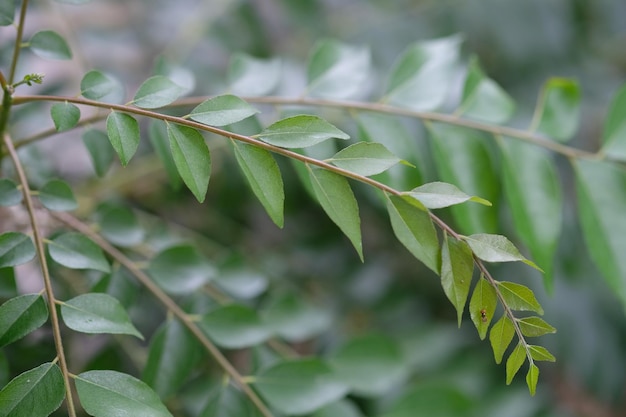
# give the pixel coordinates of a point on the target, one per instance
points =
(120, 226)
(64, 115)
(157, 133)
(76, 251)
(296, 320)
(10, 195)
(96, 85)
(234, 326)
(181, 269)
(7, 12)
(253, 76)
(15, 249)
(34, 393)
(123, 132)
(539, 353)
(100, 151)
(495, 248)
(482, 306)
(614, 135)
(558, 109)
(21, 315)
(519, 297)
(222, 110)
(49, 45)
(457, 266)
(365, 158)
(500, 336)
(58, 196)
(531, 378)
(300, 131)
(192, 158)
(534, 326)
(242, 282)
(157, 91)
(514, 362)
(434, 195)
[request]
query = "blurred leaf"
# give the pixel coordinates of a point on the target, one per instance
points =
(58, 196)
(101, 153)
(539, 353)
(295, 320)
(64, 115)
(534, 326)
(370, 365)
(123, 132)
(601, 211)
(482, 306)
(514, 362)
(341, 408)
(49, 45)
(337, 199)
(96, 85)
(222, 110)
(181, 269)
(10, 195)
(558, 109)
(7, 12)
(157, 91)
(300, 132)
(337, 70)
(614, 136)
(75, 251)
(413, 227)
(457, 267)
(34, 393)
(120, 285)
(97, 313)
(252, 76)
(500, 337)
(495, 248)
(262, 172)
(21, 315)
(483, 99)
(192, 158)
(8, 285)
(434, 195)
(299, 386)
(434, 400)
(519, 297)
(531, 378)
(173, 355)
(15, 249)
(228, 401)
(242, 282)
(120, 226)
(114, 394)
(73, 1)
(365, 158)
(234, 326)
(421, 77)
(160, 142)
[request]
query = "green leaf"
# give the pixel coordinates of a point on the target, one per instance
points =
(296, 320)
(457, 267)
(242, 282)
(173, 356)
(73, 1)
(15, 249)
(97, 313)
(181, 269)
(57, 195)
(21, 315)
(96, 85)
(413, 227)
(500, 337)
(531, 378)
(558, 109)
(34, 393)
(482, 306)
(155, 92)
(7, 12)
(49, 45)
(514, 362)
(120, 226)
(299, 386)
(76, 251)
(101, 153)
(463, 158)
(337, 199)
(483, 99)
(262, 172)
(421, 78)
(434, 195)
(495, 248)
(300, 132)
(519, 297)
(341, 408)
(234, 326)
(434, 399)
(119, 284)
(337, 70)
(222, 110)
(534, 326)
(123, 132)
(157, 133)
(601, 209)
(64, 115)
(539, 353)
(365, 158)
(614, 135)
(114, 394)
(8, 284)
(10, 195)
(253, 76)
(192, 158)
(370, 365)
(228, 401)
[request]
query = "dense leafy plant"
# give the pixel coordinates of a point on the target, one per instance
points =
(209, 307)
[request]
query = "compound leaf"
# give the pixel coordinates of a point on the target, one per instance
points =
(300, 132)
(49, 45)
(500, 337)
(365, 158)
(192, 158)
(558, 109)
(64, 115)
(34, 393)
(457, 267)
(58, 196)
(76, 251)
(157, 91)
(222, 110)
(15, 249)
(123, 132)
(21, 315)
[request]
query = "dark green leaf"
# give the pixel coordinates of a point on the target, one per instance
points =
(483, 306)
(336, 198)
(192, 158)
(495, 248)
(262, 172)
(120, 226)
(514, 362)
(242, 282)
(252, 76)
(120, 285)
(100, 151)
(10, 195)
(299, 386)
(535, 326)
(519, 297)
(300, 132)
(15, 249)
(222, 110)
(341, 408)
(58, 196)
(114, 394)
(539, 353)
(35, 393)
(557, 112)
(64, 115)
(161, 143)
(155, 92)
(457, 266)
(365, 158)
(500, 337)
(8, 285)
(21, 315)
(49, 45)
(7, 12)
(295, 320)
(413, 227)
(234, 326)
(434, 195)
(614, 136)
(228, 401)
(74, 250)
(123, 132)
(96, 85)
(431, 400)
(97, 313)
(181, 269)
(337, 70)
(531, 378)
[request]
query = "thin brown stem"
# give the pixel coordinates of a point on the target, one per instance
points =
(18, 41)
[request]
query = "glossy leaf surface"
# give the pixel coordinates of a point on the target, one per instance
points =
(34, 393)
(365, 158)
(434, 195)
(75, 251)
(21, 315)
(222, 110)
(300, 132)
